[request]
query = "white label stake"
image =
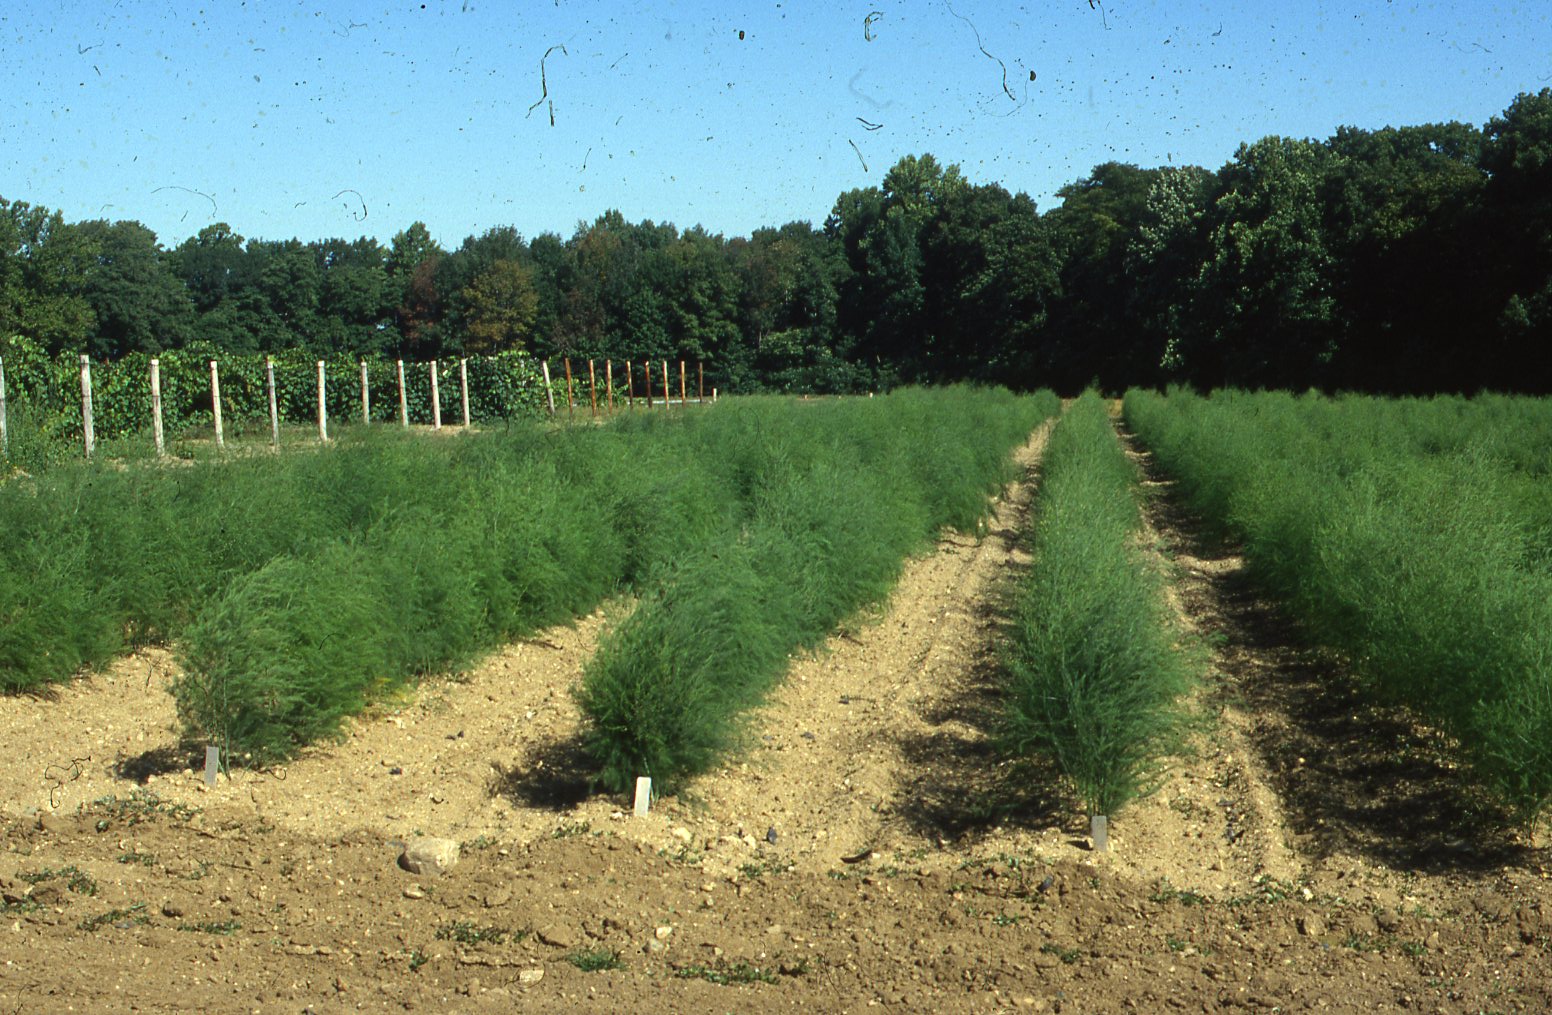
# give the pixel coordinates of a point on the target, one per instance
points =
(643, 795)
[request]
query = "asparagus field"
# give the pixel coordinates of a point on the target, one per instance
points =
(877, 666)
(1095, 671)
(1413, 536)
(298, 590)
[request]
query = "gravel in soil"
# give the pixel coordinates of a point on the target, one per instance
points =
(867, 849)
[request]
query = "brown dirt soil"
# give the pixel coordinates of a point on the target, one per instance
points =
(868, 849)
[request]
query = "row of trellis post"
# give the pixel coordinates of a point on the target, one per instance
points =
(366, 396)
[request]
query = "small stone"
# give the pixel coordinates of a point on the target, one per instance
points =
(497, 897)
(529, 977)
(171, 911)
(557, 936)
(682, 834)
(48, 821)
(663, 933)
(414, 892)
(427, 855)
(1311, 925)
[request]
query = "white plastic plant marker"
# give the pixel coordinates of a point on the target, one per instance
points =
(1099, 832)
(212, 763)
(643, 795)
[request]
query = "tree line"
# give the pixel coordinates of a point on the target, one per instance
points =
(1403, 260)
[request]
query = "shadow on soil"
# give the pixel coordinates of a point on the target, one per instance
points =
(160, 761)
(965, 787)
(562, 779)
(1353, 774)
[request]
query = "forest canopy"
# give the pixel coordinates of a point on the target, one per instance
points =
(1400, 260)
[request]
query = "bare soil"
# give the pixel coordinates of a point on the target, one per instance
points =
(867, 849)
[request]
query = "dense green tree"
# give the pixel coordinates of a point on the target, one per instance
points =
(499, 308)
(1271, 276)
(138, 303)
(1090, 337)
(1403, 223)
(413, 257)
(1404, 259)
(44, 263)
(1517, 215)
(355, 297)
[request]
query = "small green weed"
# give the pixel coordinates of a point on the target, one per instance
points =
(1067, 955)
(726, 973)
(226, 928)
(141, 805)
(1167, 893)
(75, 879)
(594, 960)
(132, 915)
(468, 932)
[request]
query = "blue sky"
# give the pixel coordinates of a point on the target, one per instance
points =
(309, 120)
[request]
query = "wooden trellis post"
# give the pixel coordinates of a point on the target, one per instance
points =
(436, 399)
(571, 408)
(87, 432)
(404, 405)
(323, 407)
(156, 407)
(366, 396)
(665, 385)
(274, 408)
(609, 382)
(215, 403)
(463, 385)
(549, 389)
(592, 388)
(5, 436)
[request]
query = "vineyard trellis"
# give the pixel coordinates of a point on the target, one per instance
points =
(170, 393)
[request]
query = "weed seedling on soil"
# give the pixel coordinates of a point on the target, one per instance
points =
(726, 974)
(75, 880)
(1067, 955)
(1165, 893)
(469, 933)
(120, 917)
(595, 960)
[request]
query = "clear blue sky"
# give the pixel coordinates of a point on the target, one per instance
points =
(316, 120)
